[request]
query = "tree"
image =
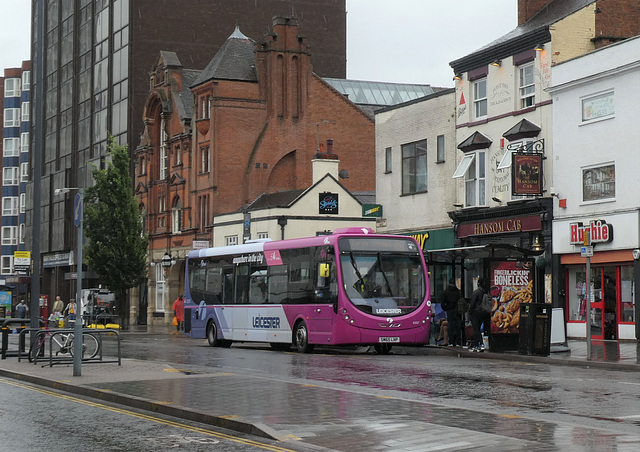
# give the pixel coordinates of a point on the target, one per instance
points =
(117, 244)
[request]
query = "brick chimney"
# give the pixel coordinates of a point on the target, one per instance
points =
(528, 8)
(616, 20)
(325, 163)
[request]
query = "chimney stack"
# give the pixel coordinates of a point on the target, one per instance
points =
(325, 163)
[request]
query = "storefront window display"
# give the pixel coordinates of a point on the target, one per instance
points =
(611, 295)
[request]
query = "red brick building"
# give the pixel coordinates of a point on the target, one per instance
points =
(249, 123)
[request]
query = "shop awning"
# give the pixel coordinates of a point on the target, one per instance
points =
(488, 251)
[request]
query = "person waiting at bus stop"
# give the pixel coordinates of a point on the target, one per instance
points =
(477, 316)
(450, 298)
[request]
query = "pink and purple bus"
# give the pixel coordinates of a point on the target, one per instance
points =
(352, 287)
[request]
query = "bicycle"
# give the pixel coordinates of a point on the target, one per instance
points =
(62, 343)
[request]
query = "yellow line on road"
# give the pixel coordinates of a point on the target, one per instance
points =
(147, 417)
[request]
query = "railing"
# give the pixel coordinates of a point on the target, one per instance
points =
(5, 325)
(58, 336)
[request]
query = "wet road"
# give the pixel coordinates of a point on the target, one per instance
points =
(574, 398)
(35, 418)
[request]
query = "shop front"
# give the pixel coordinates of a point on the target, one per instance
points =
(614, 273)
(508, 248)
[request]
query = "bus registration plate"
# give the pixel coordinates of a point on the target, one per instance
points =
(389, 339)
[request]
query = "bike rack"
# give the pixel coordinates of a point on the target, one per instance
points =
(5, 326)
(97, 333)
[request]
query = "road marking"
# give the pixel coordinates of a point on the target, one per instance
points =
(147, 417)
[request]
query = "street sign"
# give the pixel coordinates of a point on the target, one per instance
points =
(77, 209)
(22, 261)
(586, 251)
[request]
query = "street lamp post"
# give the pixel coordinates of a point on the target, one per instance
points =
(77, 330)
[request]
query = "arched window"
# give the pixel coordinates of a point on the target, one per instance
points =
(176, 216)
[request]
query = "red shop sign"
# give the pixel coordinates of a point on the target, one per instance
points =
(500, 226)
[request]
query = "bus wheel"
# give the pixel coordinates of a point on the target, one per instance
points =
(382, 349)
(212, 334)
(301, 338)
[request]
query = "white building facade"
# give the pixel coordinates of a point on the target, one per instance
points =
(595, 101)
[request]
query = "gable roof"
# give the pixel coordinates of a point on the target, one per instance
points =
(535, 31)
(234, 61)
(288, 198)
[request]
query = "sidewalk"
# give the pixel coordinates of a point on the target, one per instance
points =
(328, 418)
(609, 355)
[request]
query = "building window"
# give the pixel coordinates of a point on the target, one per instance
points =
(22, 232)
(24, 172)
(12, 117)
(11, 147)
(440, 152)
(176, 216)
(387, 161)
(164, 158)
(7, 265)
(23, 203)
(9, 235)
(204, 212)
(24, 142)
(599, 183)
(480, 98)
(527, 86)
(263, 235)
(26, 80)
(9, 205)
(231, 240)
(177, 158)
(474, 181)
(205, 159)
(10, 175)
(12, 87)
(143, 165)
(161, 288)
(25, 111)
(162, 206)
(472, 168)
(414, 167)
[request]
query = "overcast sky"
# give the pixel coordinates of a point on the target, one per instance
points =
(405, 41)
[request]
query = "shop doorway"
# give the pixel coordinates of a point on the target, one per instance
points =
(604, 324)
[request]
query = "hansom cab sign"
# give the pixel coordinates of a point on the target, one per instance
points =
(526, 174)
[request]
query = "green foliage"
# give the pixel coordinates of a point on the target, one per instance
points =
(117, 245)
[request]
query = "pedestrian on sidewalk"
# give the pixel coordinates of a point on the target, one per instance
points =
(477, 315)
(71, 310)
(450, 298)
(21, 310)
(178, 311)
(58, 306)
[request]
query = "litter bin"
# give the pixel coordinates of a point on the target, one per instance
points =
(535, 329)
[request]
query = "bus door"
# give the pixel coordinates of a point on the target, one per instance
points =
(325, 300)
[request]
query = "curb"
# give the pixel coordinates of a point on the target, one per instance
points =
(179, 412)
(514, 357)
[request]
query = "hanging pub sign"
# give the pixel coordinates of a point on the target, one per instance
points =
(328, 203)
(511, 285)
(526, 174)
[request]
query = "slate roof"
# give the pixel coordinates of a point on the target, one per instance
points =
(534, 31)
(184, 99)
(234, 61)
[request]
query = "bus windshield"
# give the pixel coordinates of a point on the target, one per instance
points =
(387, 284)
